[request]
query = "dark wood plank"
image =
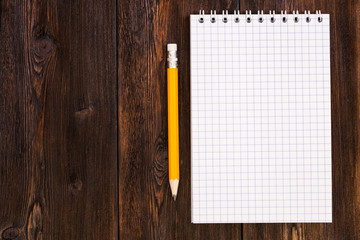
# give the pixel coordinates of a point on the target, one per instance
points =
(58, 133)
(14, 196)
(345, 115)
(146, 208)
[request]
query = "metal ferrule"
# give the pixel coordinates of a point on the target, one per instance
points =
(172, 59)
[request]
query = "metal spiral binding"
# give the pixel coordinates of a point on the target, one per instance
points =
(261, 16)
(248, 16)
(308, 19)
(237, 16)
(296, 16)
(225, 16)
(284, 16)
(272, 19)
(213, 16)
(201, 18)
(318, 16)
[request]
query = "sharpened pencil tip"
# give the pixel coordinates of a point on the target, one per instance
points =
(174, 184)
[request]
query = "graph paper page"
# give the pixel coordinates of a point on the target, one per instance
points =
(260, 120)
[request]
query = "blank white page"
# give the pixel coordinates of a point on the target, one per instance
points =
(260, 120)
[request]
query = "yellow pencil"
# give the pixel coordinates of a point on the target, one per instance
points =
(173, 119)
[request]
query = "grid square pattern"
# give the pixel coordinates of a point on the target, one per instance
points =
(260, 120)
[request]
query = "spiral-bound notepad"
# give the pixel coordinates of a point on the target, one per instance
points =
(260, 118)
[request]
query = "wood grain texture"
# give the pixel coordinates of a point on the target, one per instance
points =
(83, 121)
(58, 120)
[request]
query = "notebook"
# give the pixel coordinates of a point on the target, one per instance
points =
(260, 117)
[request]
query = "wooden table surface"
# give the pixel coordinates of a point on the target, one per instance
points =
(83, 121)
